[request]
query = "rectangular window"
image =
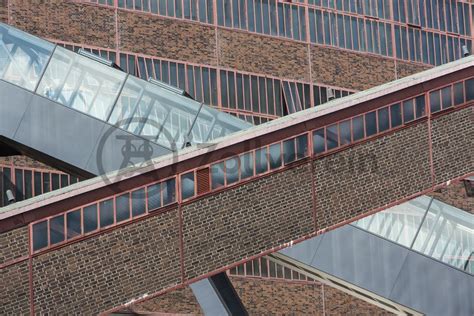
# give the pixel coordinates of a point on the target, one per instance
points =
(370, 124)
(420, 106)
(246, 165)
(301, 146)
(28, 184)
(217, 175)
(383, 122)
(38, 183)
(232, 170)
(138, 202)
(106, 209)
(318, 141)
(469, 88)
(40, 235)
(122, 205)
(275, 156)
(55, 181)
(90, 218)
(358, 128)
(19, 184)
(154, 196)
(187, 185)
(56, 229)
(396, 115)
(289, 152)
(261, 160)
(332, 136)
(73, 220)
(446, 98)
(408, 113)
(435, 101)
(458, 95)
(169, 191)
(345, 132)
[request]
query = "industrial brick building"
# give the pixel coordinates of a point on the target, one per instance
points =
(353, 195)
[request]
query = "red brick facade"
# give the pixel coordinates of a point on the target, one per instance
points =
(455, 195)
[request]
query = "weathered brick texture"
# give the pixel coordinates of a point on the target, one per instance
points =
(262, 54)
(405, 69)
(349, 69)
(235, 224)
(135, 260)
(66, 21)
(453, 144)
(274, 297)
(4, 11)
(25, 162)
(371, 175)
(455, 195)
(14, 290)
(167, 38)
(13, 244)
(180, 301)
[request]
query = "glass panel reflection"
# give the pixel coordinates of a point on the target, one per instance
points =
(23, 57)
(81, 83)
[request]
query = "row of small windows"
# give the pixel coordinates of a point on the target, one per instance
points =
(241, 92)
(246, 165)
(27, 183)
(452, 95)
(103, 214)
(341, 30)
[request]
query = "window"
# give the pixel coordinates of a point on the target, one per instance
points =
(138, 202)
(318, 141)
(275, 156)
(187, 185)
(106, 209)
(217, 175)
(358, 127)
(56, 229)
(73, 220)
(345, 132)
(332, 136)
(446, 99)
(301, 146)
(154, 196)
(371, 123)
(169, 191)
(289, 152)
(90, 218)
(408, 113)
(469, 90)
(383, 122)
(40, 235)
(435, 101)
(458, 93)
(420, 106)
(232, 170)
(246, 165)
(261, 161)
(122, 204)
(396, 115)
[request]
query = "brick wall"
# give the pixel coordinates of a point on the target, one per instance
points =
(272, 297)
(167, 38)
(24, 161)
(455, 195)
(453, 144)
(14, 290)
(235, 224)
(139, 258)
(372, 175)
(181, 301)
(14, 244)
(195, 42)
(4, 11)
(66, 21)
(262, 54)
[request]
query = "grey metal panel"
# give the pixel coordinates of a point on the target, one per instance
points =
(360, 258)
(434, 288)
(109, 153)
(208, 298)
(13, 103)
(304, 251)
(59, 132)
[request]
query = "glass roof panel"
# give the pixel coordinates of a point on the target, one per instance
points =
(23, 57)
